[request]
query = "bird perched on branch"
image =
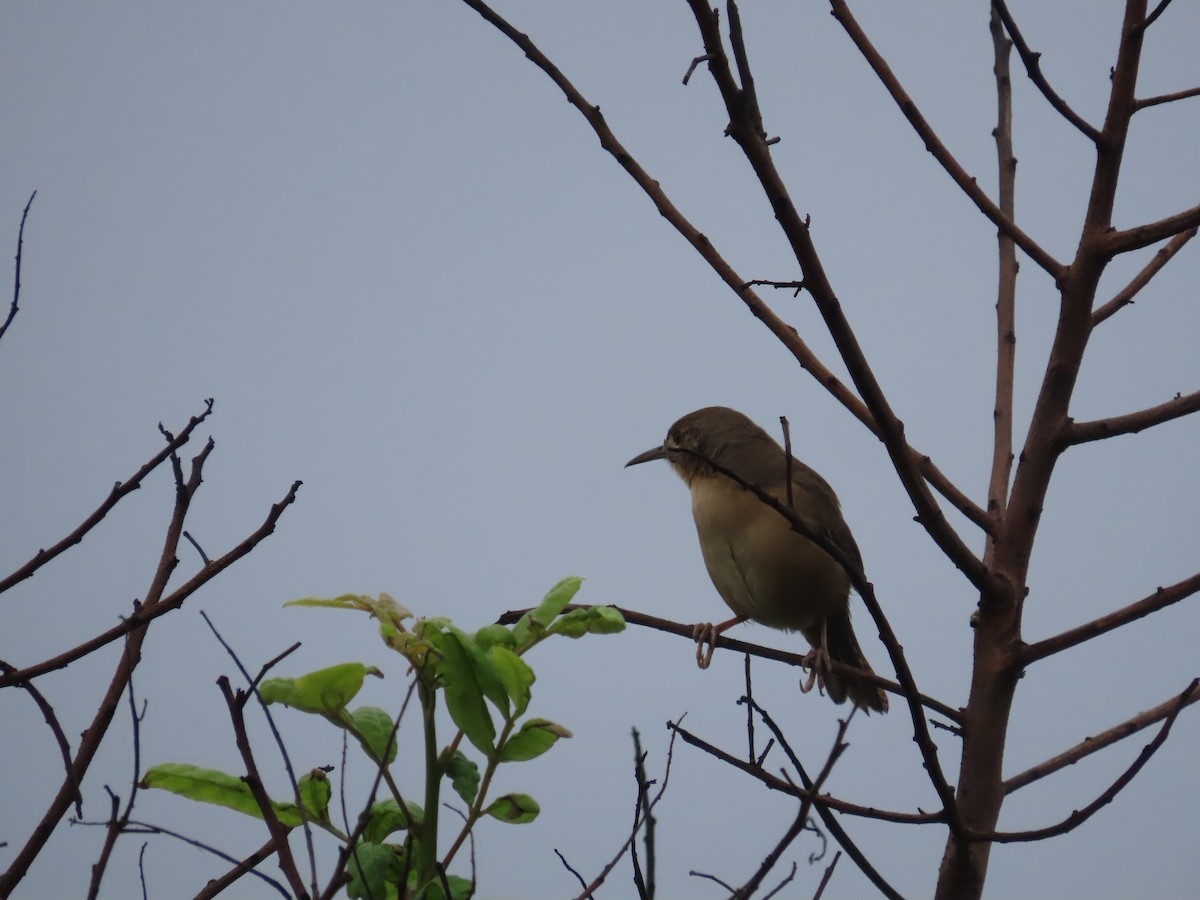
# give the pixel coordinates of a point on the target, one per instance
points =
(765, 570)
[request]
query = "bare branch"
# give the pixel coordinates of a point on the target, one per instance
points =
(818, 800)
(1160, 599)
(633, 617)
(785, 333)
(92, 737)
(590, 890)
(1098, 742)
(1033, 66)
(830, 821)
(279, 832)
(934, 145)
(835, 752)
(1166, 98)
(1131, 423)
(1144, 235)
(64, 746)
(1006, 290)
(147, 612)
(1079, 816)
(1125, 296)
(12, 310)
(1155, 13)
(119, 491)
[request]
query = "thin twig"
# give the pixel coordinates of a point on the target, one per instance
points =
(1033, 67)
(1161, 598)
(1095, 743)
(12, 310)
(147, 613)
(1166, 98)
(1131, 423)
(252, 684)
(643, 620)
(782, 331)
(119, 491)
(839, 746)
(590, 890)
(1125, 296)
(60, 737)
(93, 736)
(1079, 816)
(279, 832)
(934, 145)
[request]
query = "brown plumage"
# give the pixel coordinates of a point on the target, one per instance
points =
(762, 568)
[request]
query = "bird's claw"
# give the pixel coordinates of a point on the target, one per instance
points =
(705, 636)
(817, 662)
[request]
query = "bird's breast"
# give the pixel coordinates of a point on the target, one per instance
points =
(761, 567)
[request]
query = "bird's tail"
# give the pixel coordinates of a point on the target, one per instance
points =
(843, 647)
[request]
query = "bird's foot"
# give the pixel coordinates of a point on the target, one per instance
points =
(817, 662)
(705, 635)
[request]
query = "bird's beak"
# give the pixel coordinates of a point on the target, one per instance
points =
(656, 453)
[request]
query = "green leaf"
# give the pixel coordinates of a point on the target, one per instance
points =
(314, 795)
(516, 809)
(385, 609)
(386, 817)
(375, 870)
(464, 776)
(460, 889)
(374, 729)
(591, 620)
(535, 738)
(558, 597)
(464, 695)
(211, 786)
(490, 635)
(326, 691)
(515, 675)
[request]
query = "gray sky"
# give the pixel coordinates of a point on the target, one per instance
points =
(401, 264)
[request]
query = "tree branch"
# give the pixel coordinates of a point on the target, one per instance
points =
(1131, 423)
(778, 784)
(119, 491)
(1166, 98)
(1079, 816)
(12, 310)
(147, 613)
(1125, 296)
(633, 617)
(1033, 66)
(279, 832)
(831, 821)
(785, 333)
(934, 145)
(839, 747)
(1098, 742)
(1006, 290)
(1160, 599)
(90, 741)
(1116, 242)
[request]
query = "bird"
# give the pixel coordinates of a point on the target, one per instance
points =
(764, 570)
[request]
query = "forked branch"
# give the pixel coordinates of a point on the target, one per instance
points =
(1126, 295)
(1033, 66)
(934, 144)
(1090, 745)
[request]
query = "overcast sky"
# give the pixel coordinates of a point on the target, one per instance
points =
(408, 275)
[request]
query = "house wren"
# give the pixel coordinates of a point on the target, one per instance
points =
(761, 567)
